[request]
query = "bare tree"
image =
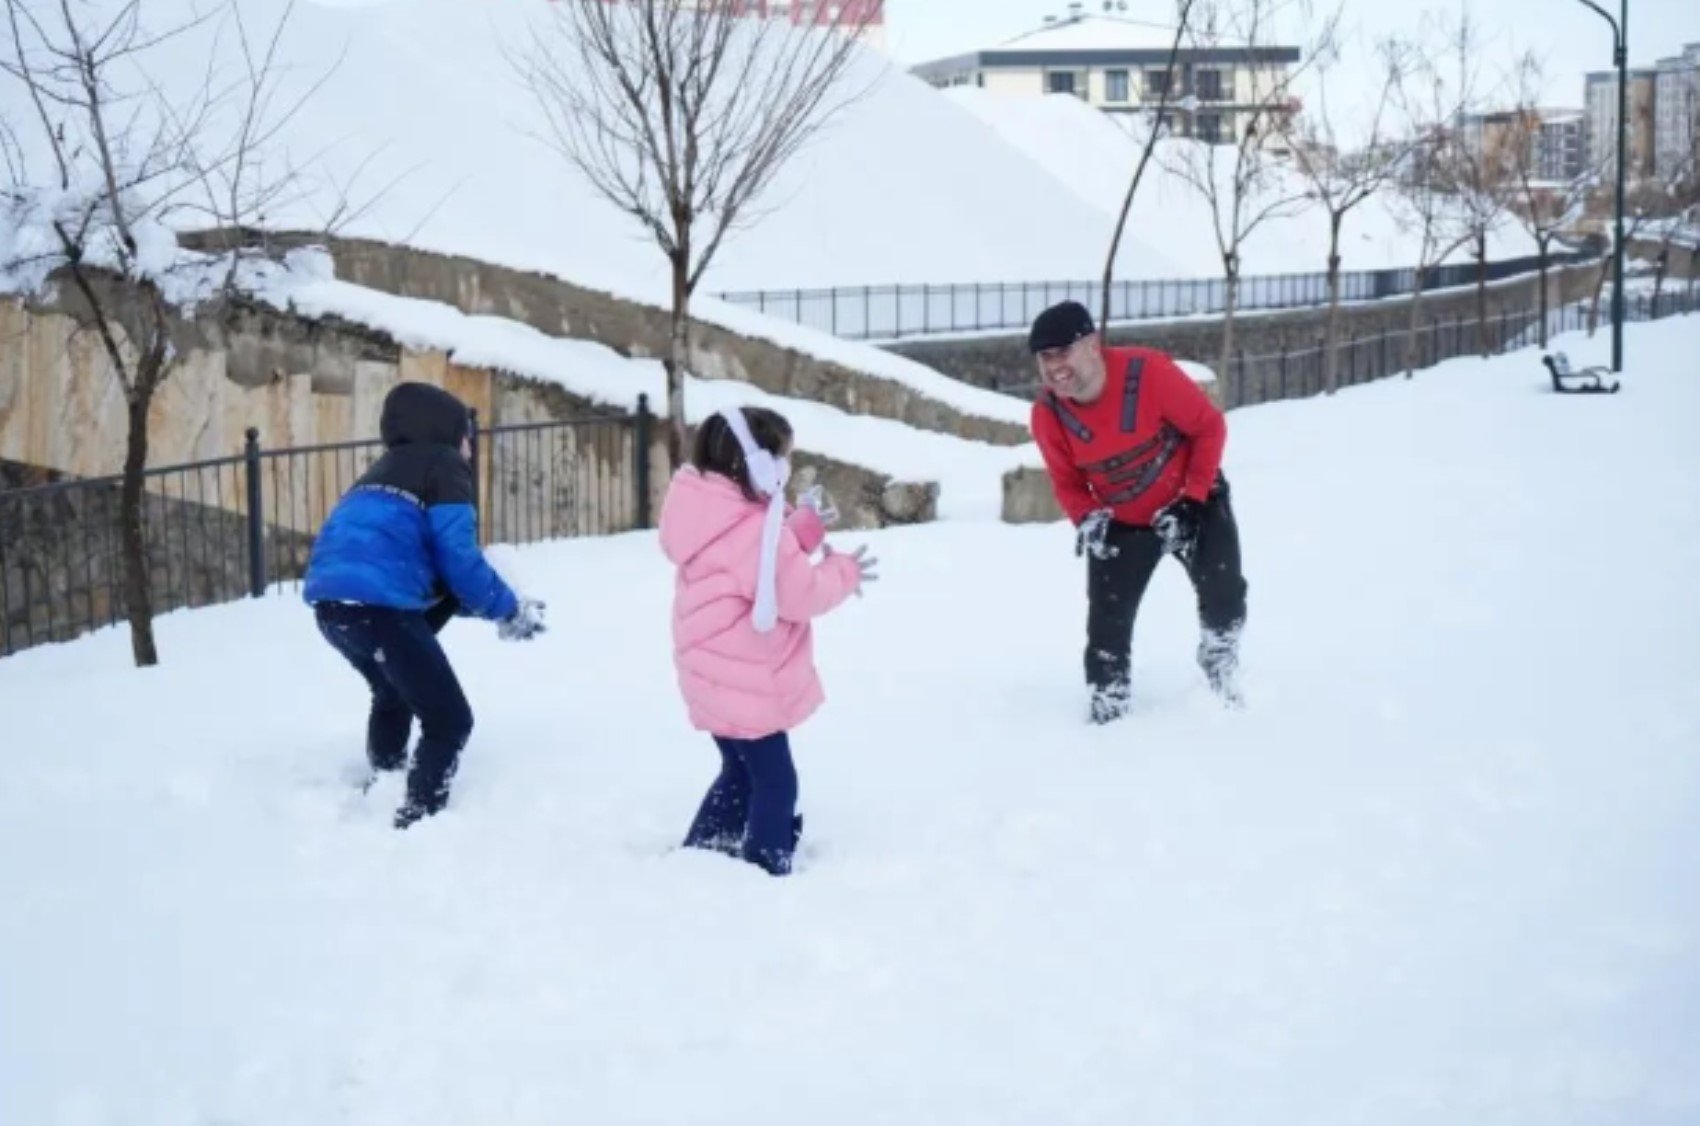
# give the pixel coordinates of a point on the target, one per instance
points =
(1425, 205)
(1340, 181)
(1681, 184)
(1157, 126)
(681, 115)
(1240, 180)
(1477, 162)
(1546, 207)
(119, 165)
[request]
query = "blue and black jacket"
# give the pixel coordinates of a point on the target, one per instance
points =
(406, 535)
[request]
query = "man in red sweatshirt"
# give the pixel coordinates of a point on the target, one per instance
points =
(1134, 452)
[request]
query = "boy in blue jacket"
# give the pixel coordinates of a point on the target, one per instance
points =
(396, 559)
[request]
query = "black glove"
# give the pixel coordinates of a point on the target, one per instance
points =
(1092, 537)
(1177, 526)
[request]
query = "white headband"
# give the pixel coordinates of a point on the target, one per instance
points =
(769, 475)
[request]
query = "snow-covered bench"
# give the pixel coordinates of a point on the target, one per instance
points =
(1567, 380)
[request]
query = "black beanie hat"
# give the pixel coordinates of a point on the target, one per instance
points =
(1059, 326)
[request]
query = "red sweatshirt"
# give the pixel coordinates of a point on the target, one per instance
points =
(1150, 438)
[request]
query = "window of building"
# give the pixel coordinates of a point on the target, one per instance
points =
(1156, 83)
(1115, 86)
(1060, 82)
(1209, 128)
(1209, 84)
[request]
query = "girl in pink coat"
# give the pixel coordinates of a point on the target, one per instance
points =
(746, 591)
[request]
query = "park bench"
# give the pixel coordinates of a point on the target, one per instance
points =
(1567, 380)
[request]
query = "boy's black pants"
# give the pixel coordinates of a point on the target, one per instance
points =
(1116, 585)
(397, 653)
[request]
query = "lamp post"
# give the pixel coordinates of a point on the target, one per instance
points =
(1620, 55)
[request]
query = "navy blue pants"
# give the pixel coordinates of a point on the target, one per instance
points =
(397, 653)
(751, 809)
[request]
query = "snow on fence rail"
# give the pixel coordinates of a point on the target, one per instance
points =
(892, 312)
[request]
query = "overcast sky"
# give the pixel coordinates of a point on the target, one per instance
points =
(1570, 38)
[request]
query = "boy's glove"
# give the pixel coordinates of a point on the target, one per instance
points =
(1092, 537)
(524, 623)
(1177, 526)
(815, 498)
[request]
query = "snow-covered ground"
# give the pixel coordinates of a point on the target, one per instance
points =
(1442, 869)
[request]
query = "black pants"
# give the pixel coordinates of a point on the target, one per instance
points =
(1116, 585)
(751, 809)
(397, 653)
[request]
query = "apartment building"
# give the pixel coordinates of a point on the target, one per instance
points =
(1600, 122)
(1118, 66)
(1676, 114)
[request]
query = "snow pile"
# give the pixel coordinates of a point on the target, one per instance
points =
(1095, 157)
(1440, 870)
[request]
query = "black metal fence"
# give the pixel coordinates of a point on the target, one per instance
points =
(222, 529)
(1299, 372)
(892, 312)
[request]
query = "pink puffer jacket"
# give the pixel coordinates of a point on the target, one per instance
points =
(739, 683)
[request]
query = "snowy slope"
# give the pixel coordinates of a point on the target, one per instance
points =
(1095, 157)
(1440, 871)
(969, 473)
(421, 92)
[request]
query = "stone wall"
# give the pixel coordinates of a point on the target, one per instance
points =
(567, 467)
(1683, 262)
(630, 328)
(1001, 362)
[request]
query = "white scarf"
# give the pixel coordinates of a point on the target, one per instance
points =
(769, 475)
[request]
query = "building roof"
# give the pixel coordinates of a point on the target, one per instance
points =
(1093, 33)
(1100, 41)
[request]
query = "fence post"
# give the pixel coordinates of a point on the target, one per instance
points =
(256, 522)
(1283, 367)
(897, 329)
(640, 467)
(472, 441)
(867, 311)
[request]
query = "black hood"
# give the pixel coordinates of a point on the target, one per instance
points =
(418, 414)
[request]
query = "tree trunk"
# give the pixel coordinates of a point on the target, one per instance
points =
(138, 599)
(1481, 296)
(1412, 340)
(1331, 345)
(678, 363)
(1599, 288)
(1541, 250)
(1229, 303)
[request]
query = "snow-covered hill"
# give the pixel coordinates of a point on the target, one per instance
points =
(1440, 870)
(1095, 157)
(421, 112)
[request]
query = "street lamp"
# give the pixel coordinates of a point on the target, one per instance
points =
(1620, 55)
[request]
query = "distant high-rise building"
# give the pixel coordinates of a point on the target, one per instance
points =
(1676, 114)
(1600, 123)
